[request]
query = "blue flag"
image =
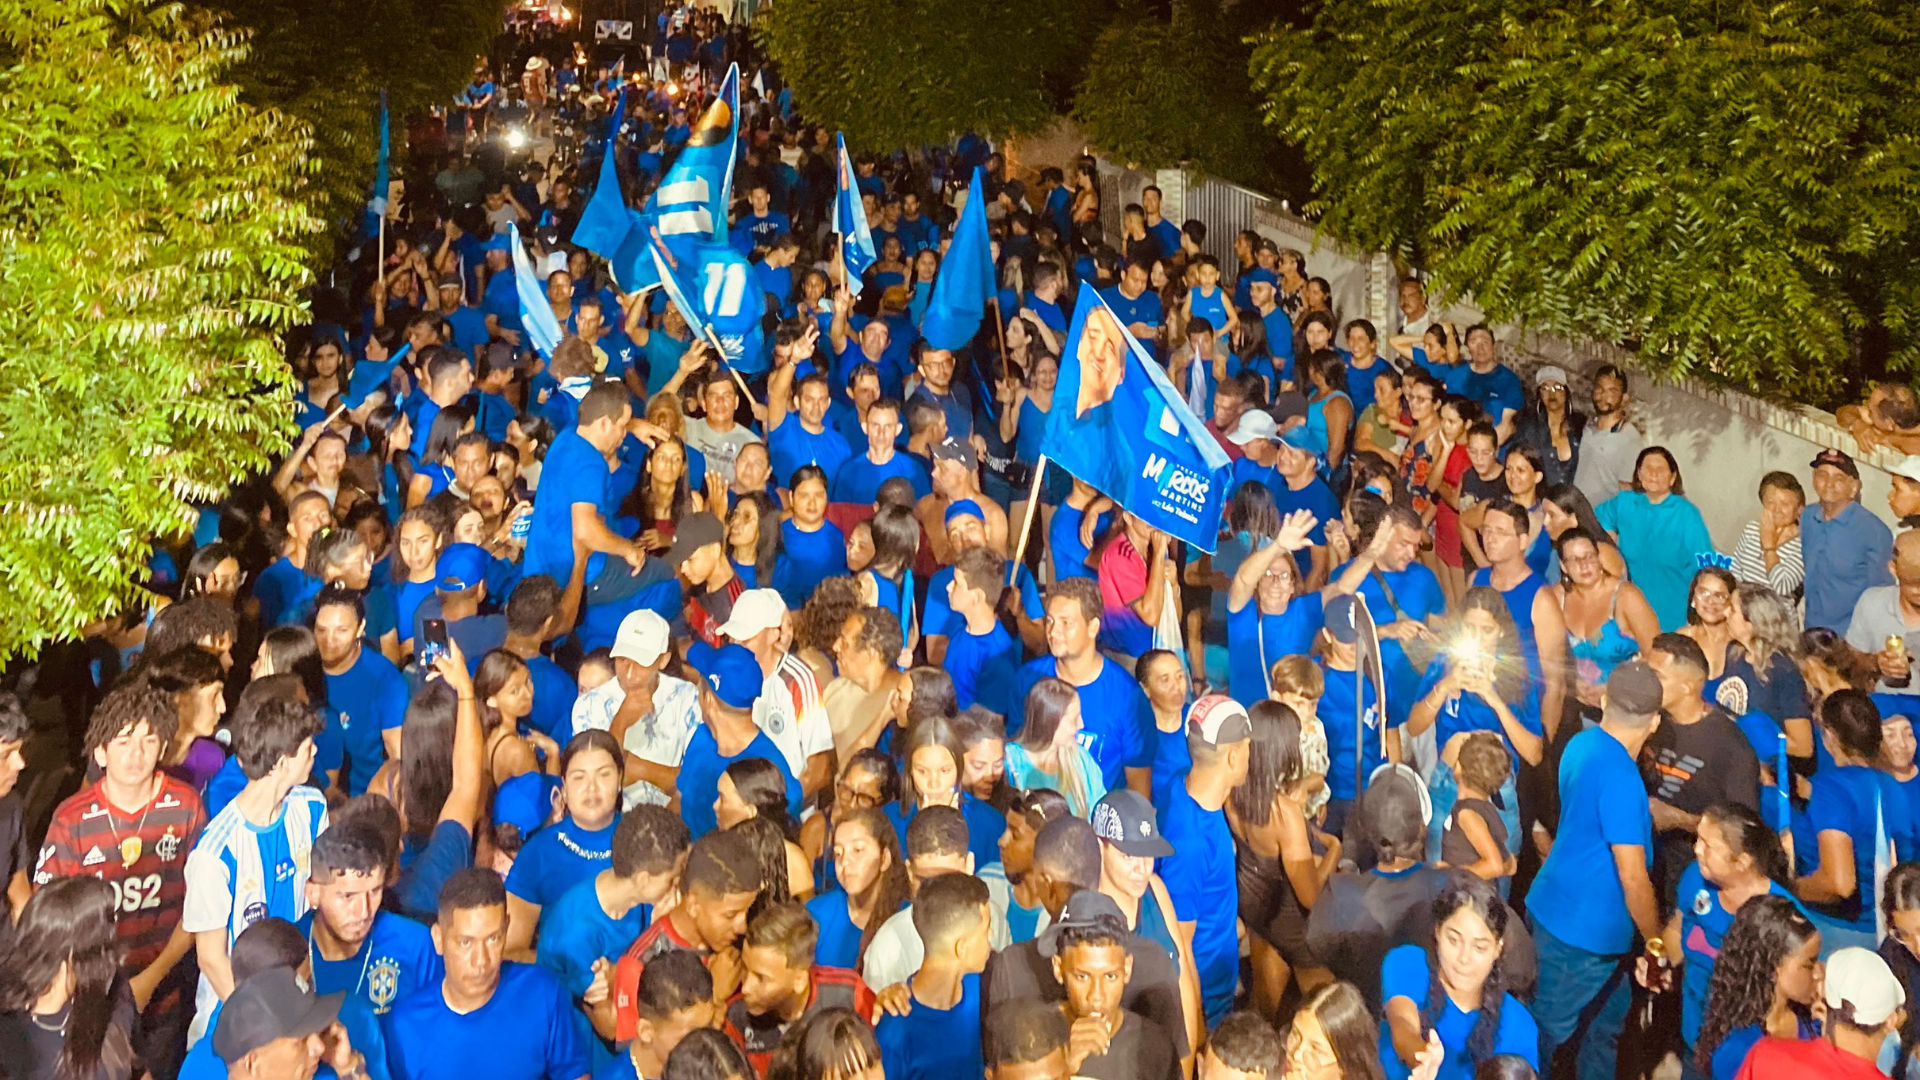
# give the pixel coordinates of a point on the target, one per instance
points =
(1118, 424)
(605, 220)
(850, 223)
(716, 292)
(536, 315)
(377, 196)
(965, 284)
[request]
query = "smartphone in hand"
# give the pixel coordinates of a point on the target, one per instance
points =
(433, 633)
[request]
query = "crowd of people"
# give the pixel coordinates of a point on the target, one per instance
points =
(622, 714)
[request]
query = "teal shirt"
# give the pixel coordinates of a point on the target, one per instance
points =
(1660, 542)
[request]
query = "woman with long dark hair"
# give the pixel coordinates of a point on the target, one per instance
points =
(1709, 609)
(888, 580)
(1566, 507)
(503, 686)
(390, 433)
(1455, 988)
(434, 471)
(753, 538)
(931, 760)
(1608, 619)
(756, 788)
(871, 878)
(828, 1044)
(1763, 984)
(707, 1054)
(1280, 874)
(1047, 752)
(1334, 1037)
(1737, 858)
(65, 1012)
(1551, 427)
(1901, 950)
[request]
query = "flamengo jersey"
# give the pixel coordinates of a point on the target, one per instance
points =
(239, 874)
(654, 940)
(832, 987)
(142, 854)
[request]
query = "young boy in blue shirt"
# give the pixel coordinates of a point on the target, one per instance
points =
(981, 656)
(939, 1036)
(487, 1017)
(594, 921)
(1594, 893)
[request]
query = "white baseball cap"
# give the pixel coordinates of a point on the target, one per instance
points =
(1254, 424)
(754, 611)
(1861, 988)
(1908, 467)
(643, 638)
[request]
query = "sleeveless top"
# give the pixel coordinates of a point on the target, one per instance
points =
(1455, 848)
(1151, 924)
(1316, 426)
(1595, 658)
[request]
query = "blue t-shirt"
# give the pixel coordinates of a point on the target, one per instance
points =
(424, 868)
(985, 825)
(559, 857)
(981, 665)
(574, 472)
(1172, 757)
(1406, 974)
(839, 942)
(554, 692)
(1336, 712)
(396, 959)
(407, 598)
(1200, 878)
(1063, 541)
(1418, 596)
(1117, 723)
(575, 931)
(699, 779)
(806, 559)
(791, 445)
(937, 615)
(469, 327)
(1469, 712)
(369, 698)
(1245, 469)
(1843, 800)
(1144, 308)
(528, 1030)
(1577, 896)
(502, 300)
(283, 590)
(1703, 925)
(859, 479)
(934, 1044)
(1256, 642)
(1497, 391)
(662, 353)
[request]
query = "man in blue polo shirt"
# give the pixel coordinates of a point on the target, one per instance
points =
(486, 1017)
(1848, 544)
(802, 437)
(1198, 871)
(1137, 306)
(1492, 383)
(1593, 892)
(367, 696)
(1117, 723)
(859, 480)
(731, 681)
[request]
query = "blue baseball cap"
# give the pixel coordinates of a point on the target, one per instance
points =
(525, 801)
(1299, 438)
(499, 243)
(731, 672)
(1259, 274)
(964, 508)
(461, 567)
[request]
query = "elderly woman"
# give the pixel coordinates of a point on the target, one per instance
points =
(1661, 534)
(1769, 549)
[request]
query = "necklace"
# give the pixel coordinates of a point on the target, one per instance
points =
(65, 1014)
(313, 957)
(130, 846)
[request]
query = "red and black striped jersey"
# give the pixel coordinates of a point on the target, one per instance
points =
(654, 940)
(142, 854)
(832, 987)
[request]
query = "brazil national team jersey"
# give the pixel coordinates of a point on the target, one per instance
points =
(396, 959)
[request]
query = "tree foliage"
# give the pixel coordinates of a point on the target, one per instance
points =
(1158, 93)
(326, 61)
(150, 235)
(910, 73)
(1729, 188)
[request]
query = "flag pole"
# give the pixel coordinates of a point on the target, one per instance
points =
(1026, 520)
(380, 268)
(720, 359)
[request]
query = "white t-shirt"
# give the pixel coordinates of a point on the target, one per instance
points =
(789, 711)
(660, 736)
(896, 951)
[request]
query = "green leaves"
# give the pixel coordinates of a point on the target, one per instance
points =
(1729, 189)
(151, 248)
(908, 73)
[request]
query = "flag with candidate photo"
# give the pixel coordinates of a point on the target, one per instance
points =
(1118, 424)
(850, 222)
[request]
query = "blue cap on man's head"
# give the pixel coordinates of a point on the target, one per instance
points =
(525, 801)
(1259, 274)
(731, 672)
(500, 243)
(461, 567)
(1299, 438)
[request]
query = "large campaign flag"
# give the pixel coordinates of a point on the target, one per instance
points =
(605, 220)
(382, 183)
(850, 222)
(687, 209)
(965, 283)
(715, 289)
(536, 314)
(1118, 423)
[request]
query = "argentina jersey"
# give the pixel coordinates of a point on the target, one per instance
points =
(240, 873)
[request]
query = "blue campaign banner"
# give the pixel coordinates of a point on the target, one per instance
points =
(1118, 424)
(964, 285)
(536, 314)
(716, 292)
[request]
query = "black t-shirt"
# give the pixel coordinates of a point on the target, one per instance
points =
(1362, 917)
(30, 1051)
(1018, 973)
(1139, 1051)
(1691, 767)
(16, 854)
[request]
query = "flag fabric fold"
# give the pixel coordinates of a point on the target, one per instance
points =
(850, 222)
(965, 283)
(1119, 424)
(714, 289)
(536, 315)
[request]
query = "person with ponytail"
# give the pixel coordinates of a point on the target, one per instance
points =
(1763, 984)
(67, 1013)
(1901, 950)
(1736, 859)
(1455, 988)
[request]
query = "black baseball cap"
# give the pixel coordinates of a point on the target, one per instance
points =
(1839, 459)
(268, 1007)
(1125, 819)
(1088, 909)
(1634, 688)
(696, 532)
